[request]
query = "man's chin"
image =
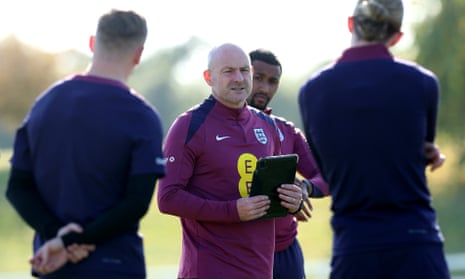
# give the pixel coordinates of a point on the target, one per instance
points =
(259, 106)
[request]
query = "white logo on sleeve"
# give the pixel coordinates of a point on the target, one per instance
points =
(160, 161)
(220, 138)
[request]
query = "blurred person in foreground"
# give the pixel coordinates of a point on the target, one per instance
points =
(211, 152)
(86, 160)
(370, 119)
(288, 256)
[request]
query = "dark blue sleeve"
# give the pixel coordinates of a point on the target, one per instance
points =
(120, 218)
(22, 193)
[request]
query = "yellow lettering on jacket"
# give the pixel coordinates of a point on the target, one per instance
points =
(246, 165)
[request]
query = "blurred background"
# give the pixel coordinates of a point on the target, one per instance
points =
(43, 41)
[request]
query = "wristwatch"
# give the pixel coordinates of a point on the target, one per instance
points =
(309, 186)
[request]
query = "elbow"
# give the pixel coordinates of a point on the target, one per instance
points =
(142, 211)
(163, 206)
(166, 202)
(10, 193)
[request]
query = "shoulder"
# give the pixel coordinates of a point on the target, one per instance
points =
(320, 77)
(189, 122)
(137, 107)
(261, 115)
(416, 68)
(287, 127)
(54, 88)
(281, 121)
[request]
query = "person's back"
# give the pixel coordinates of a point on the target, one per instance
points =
(368, 118)
(379, 128)
(93, 148)
(81, 136)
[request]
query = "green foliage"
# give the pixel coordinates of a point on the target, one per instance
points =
(24, 73)
(440, 42)
(156, 79)
(162, 233)
(14, 234)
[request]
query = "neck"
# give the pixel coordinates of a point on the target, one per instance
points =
(115, 72)
(355, 42)
(111, 65)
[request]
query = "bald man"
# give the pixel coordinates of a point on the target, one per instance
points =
(211, 152)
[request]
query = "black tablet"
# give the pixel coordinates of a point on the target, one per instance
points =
(270, 173)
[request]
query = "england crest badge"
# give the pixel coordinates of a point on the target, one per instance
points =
(260, 135)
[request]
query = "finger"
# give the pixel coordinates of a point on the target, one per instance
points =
(90, 248)
(288, 189)
(87, 247)
(75, 227)
(71, 227)
(289, 195)
(259, 198)
(433, 167)
(437, 163)
(252, 210)
(39, 270)
(306, 211)
(34, 260)
(254, 214)
(78, 255)
(75, 253)
(38, 262)
(301, 217)
(44, 260)
(35, 265)
(49, 267)
(308, 203)
(78, 252)
(292, 205)
(287, 201)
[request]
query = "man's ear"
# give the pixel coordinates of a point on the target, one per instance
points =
(91, 43)
(350, 23)
(207, 77)
(138, 55)
(395, 39)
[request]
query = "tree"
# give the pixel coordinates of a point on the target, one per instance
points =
(441, 40)
(24, 73)
(156, 79)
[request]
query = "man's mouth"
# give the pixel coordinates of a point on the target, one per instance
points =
(260, 97)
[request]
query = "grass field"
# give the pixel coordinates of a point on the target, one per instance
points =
(162, 234)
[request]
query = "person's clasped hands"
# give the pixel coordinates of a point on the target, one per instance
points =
(434, 158)
(53, 254)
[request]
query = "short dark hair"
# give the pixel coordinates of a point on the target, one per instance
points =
(266, 56)
(119, 29)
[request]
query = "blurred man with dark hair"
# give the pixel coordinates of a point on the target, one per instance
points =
(86, 160)
(288, 257)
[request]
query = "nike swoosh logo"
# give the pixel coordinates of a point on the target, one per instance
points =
(220, 138)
